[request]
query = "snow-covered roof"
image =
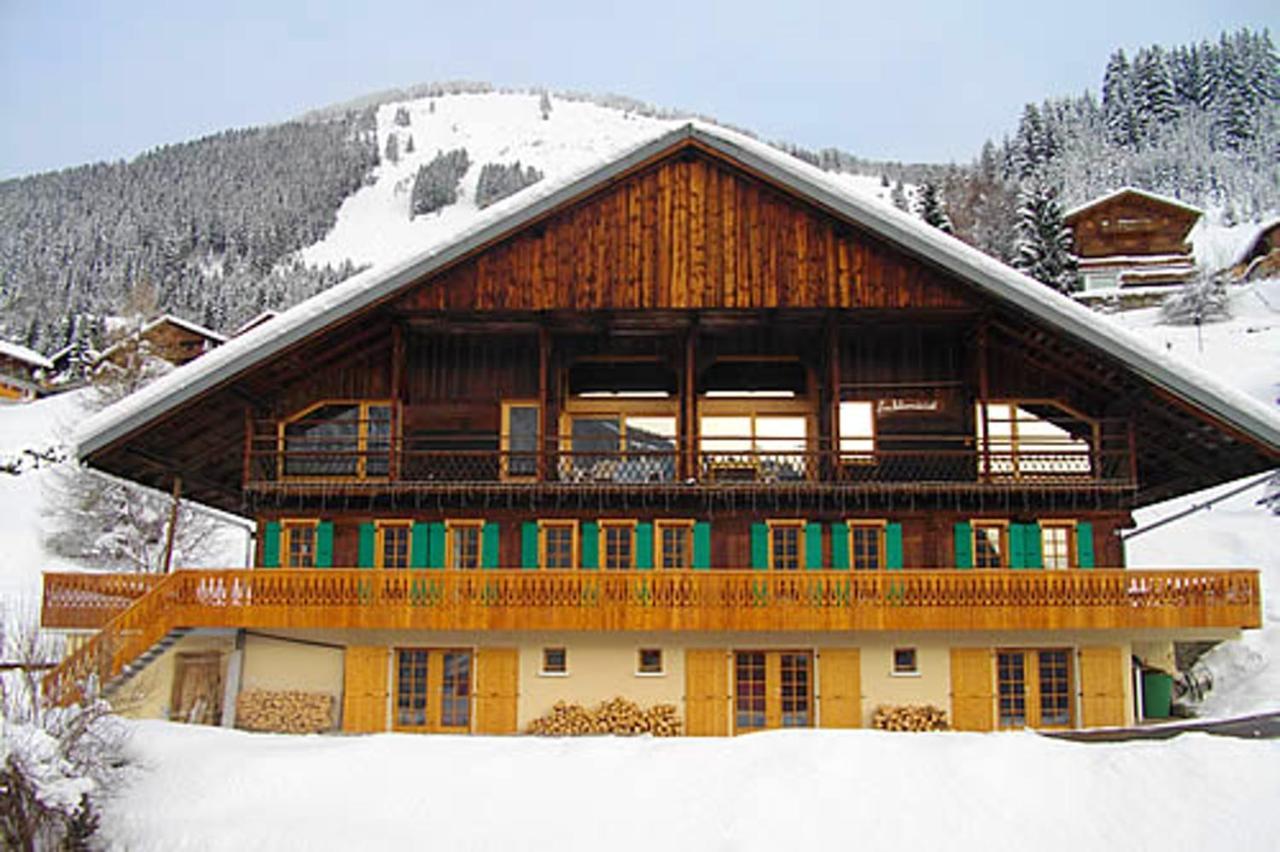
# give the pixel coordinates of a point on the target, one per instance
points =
(22, 353)
(254, 322)
(194, 328)
(1126, 190)
(1258, 233)
(967, 263)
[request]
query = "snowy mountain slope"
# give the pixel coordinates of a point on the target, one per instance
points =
(373, 225)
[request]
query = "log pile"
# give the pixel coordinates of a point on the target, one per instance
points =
(617, 716)
(291, 712)
(910, 717)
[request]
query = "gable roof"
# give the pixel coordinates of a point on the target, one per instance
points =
(912, 235)
(1131, 190)
(25, 355)
(1258, 233)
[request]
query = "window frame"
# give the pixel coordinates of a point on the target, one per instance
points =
(787, 523)
(1003, 524)
(903, 671)
(622, 408)
(982, 414)
(881, 526)
(660, 671)
(660, 525)
(563, 671)
(543, 525)
(603, 525)
(451, 526)
(1069, 526)
(504, 441)
(856, 457)
(362, 440)
(287, 525)
(434, 687)
(1032, 682)
(752, 408)
(379, 543)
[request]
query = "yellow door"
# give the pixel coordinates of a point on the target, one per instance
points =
(840, 685)
(972, 694)
(1102, 673)
(706, 688)
(497, 681)
(364, 689)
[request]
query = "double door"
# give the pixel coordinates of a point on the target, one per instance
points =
(433, 690)
(772, 689)
(1034, 688)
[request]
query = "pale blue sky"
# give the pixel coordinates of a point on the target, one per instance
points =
(902, 80)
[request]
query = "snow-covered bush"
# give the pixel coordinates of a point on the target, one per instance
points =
(1199, 302)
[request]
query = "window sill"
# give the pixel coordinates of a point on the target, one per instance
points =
(904, 674)
(553, 674)
(651, 674)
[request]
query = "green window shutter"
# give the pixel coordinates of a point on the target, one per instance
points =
(419, 539)
(813, 546)
(702, 545)
(760, 546)
(529, 544)
(840, 546)
(368, 541)
(324, 544)
(644, 545)
(271, 545)
(589, 547)
(489, 545)
(1031, 546)
(1017, 548)
(964, 545)
(435, 544)
(893, 547)
(1084, 544)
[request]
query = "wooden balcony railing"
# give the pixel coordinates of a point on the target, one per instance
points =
(78, 601)
(716, 600)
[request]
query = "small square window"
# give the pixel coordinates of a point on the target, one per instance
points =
(555, 661)
(904, 661)
(649, 661)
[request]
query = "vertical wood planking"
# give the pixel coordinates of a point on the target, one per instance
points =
(840, 682)
(1102, 677)
(364, 689)
(497, 690)
(706, 692)
(972, 689)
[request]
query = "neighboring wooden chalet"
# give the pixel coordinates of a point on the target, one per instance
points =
(22, 371)
(1260, 257)
(698, 428)
(1131, 239)
(172, 338)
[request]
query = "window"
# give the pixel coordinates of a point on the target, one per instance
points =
(463, 544)
(857, 432)
(904, 661)
(1057, 544)
(649, 661)
(867, 545)
(558, 545)
(749, 690)
(1034, 688)
(298, 543)
(785, 545)
(763, 444)
(1011, 679)
(1038, 439)
(521, 425)
(795, 672)
(338, 439)
(617, 545)
(433, 689)
(393, 544)
(990, 544)
(637, 445)
(555, 661)
(674, 544)
(772, 689)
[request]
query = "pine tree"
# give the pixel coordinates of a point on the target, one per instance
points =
(544, 105)
(402, 116)
(408, 144)
(1043, 248)
(393, 149)
(1117, 101)
(929, 207)
(1153, 93)
(898, 196)
(436, 183)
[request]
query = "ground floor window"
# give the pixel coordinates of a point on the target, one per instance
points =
(433, 689)
(1034, 688)
(773, 689)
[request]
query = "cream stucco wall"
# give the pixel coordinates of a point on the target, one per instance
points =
(280, 664)
(147, 694)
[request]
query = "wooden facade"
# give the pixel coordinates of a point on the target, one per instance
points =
(1131, 238)
(690, 402)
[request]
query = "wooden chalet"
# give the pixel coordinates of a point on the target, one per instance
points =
(169, 337)
(698, 428)
(22, 371)
(1131, 239)
(1260, 257)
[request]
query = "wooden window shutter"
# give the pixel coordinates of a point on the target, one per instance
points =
(706, 692)
(419, 539)
(1102, 678)
(589, 547)
(271, 545)
(813, 546)
(893, 547)
(497, 690)
(1031, 546)
(840, 546)
(324, 544)
(364, 689)
(490, 543)
(435, 544)
(702, 545)
(840, 677)
(368, 542)
(1017, 546)
(964, 545)
(529, 544)
(644, 545)
(1084, 544)
(972, 689)
(760, 547)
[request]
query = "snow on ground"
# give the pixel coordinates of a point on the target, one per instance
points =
(211, 789)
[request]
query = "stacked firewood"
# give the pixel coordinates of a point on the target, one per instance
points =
(910, 717)
(291, 712)
(617, 716)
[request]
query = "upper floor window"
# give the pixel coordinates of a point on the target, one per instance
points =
(786, 545)
(617, 545)
(1057, 544)
(558, 543)
(349, 439)
(393, 543)
(298, 543)
(521, 427)
(674, 540)
(867, 545)
(463, 544)
(1036, 439)
(990, 544)
(857, 432)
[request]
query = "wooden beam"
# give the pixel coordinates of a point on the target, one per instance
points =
(173, 523)
(544, 400)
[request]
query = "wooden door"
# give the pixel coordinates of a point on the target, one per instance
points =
(706, 688)
(364, 689)
(197, 689)
(772, 689)
(497, 683)
(972, 689)
(1102, 674)
(840, 688)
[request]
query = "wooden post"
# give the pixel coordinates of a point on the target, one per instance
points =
(983, 396)
(689, 403)
(173, 523)
(833, 397)
(544, 401)
(396, 380)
